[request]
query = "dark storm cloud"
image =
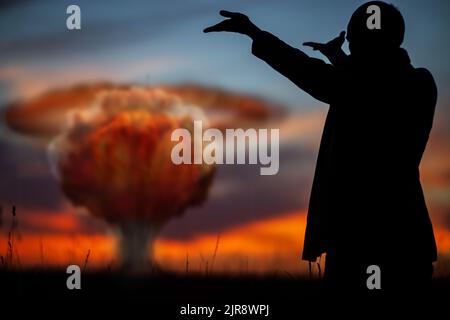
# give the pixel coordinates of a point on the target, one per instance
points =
(8, 4)
(25, 180)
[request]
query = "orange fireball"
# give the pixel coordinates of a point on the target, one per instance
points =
(122, 171)
(115, 160)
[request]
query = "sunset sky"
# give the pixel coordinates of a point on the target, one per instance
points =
(256, 222)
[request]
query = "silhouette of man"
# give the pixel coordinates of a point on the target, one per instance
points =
(366, 206)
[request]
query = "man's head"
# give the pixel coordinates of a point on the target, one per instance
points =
(366, 41)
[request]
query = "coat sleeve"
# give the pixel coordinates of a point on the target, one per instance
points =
(314, 76)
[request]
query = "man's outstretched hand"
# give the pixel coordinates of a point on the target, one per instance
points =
(237, 22)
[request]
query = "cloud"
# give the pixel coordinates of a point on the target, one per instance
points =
(120, 25)
(26, 179)
(28, 82)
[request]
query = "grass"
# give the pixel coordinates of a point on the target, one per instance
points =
(86, 260)
(216, 248)
(11, 251)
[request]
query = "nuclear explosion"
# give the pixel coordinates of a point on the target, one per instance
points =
(114, 160)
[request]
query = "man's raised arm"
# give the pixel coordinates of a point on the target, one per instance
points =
(312, 75)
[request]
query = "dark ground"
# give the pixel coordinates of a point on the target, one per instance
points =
(164, 294)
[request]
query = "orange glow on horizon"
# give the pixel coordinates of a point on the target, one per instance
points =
(271, 245)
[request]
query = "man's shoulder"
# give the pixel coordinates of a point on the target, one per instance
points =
(423, 75)
(424, 85)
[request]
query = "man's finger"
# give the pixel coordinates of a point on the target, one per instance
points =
(221, 26)
(230, 14)
(314, 45)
